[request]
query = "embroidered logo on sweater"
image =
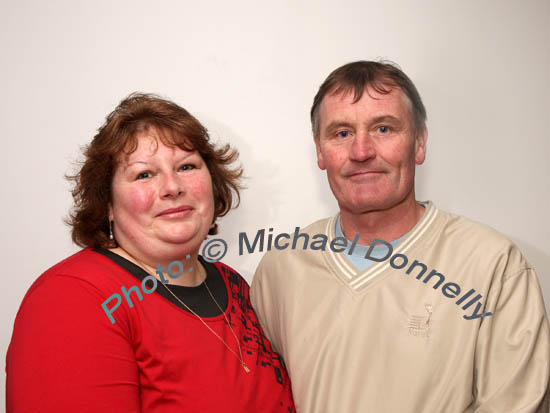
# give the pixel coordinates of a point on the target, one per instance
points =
(419, 326)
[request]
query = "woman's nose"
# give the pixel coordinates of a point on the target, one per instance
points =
(172, 186)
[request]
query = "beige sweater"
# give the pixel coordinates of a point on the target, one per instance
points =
(462, 329)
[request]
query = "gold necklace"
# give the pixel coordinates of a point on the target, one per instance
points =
(229, 325)
(245, 367)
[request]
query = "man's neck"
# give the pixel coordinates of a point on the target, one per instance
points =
(388, 224)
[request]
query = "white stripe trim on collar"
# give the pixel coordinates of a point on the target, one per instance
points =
(358, 279)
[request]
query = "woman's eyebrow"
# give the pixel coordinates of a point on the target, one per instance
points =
(187, 155)
(179, 158)
(134, 162)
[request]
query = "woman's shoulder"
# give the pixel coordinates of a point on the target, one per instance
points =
(237, 286)
(230, 273)
(72, 292)
(85, 270)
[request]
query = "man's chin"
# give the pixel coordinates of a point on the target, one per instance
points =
(364, 206)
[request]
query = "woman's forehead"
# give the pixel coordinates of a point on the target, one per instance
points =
(150, 142)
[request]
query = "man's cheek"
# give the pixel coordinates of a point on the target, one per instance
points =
(334, 160)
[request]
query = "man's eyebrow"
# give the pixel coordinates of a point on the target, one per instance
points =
(385, 118)
(338, 124)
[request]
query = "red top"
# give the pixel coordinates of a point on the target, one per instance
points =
(66, 356)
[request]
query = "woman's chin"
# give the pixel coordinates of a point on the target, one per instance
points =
(188, 241)
(181, 233)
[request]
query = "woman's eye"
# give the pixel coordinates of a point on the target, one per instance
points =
(342, 134)
(383, 129)
(187, 167)
(144, 175)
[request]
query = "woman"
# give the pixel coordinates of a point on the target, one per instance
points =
(150, 189)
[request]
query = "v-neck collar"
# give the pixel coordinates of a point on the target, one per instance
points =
(358, 281)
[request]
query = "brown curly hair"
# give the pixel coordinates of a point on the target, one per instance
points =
(138, 113)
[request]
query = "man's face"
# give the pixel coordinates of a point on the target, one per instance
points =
(369, 149)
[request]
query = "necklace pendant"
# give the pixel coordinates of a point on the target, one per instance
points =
(246, 368)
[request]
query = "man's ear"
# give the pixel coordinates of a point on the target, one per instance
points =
(320, 160)
(420, 147)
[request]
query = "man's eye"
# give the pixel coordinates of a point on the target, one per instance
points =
(383, 129)
(187, 167)
(144, 175)
(342, 134)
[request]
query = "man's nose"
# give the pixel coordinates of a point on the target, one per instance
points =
(362, 147)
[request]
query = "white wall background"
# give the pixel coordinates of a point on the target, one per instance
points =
(249, 70)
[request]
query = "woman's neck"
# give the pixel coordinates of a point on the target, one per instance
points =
(192, 271)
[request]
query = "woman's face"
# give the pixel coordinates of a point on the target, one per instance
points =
(162, 201)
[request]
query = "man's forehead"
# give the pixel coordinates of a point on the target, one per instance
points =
(343, 102)
(348, 95)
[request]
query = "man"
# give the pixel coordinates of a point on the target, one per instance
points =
(444, 314)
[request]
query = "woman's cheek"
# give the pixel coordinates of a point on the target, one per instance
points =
(201, 187)
(140, 199)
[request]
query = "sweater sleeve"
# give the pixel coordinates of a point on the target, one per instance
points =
(512, 366)
(262, 297)
(66, 356)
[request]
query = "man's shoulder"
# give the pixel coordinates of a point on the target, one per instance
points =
(320, 226)
(297, 254)
(460, 226)
(477, 239)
